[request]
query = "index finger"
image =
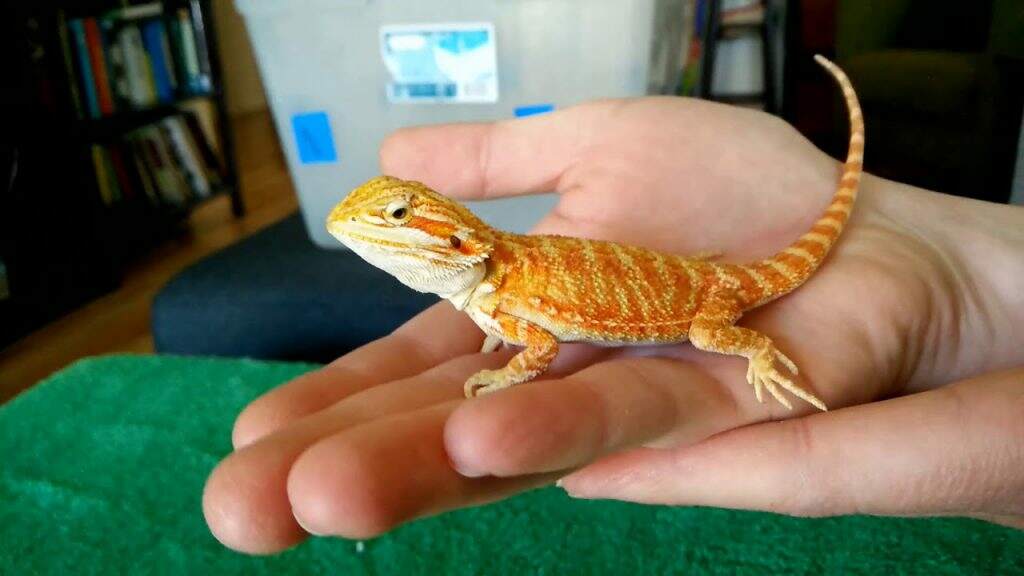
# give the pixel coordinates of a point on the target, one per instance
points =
(488, 160)
(437, 334)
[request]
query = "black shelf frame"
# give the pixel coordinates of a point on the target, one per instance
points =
(714, 31)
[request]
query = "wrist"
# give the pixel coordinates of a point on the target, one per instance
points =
(977, 278)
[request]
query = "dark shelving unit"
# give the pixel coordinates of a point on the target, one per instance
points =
(715, 29)
(60, 244)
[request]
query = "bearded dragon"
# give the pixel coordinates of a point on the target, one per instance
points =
(536, 291)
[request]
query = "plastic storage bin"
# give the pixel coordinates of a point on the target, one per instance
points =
(342, 74)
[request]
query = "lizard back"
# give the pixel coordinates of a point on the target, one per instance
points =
(595, 291)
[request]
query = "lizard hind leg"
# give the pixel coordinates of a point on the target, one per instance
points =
(541, 347)
(712, 331)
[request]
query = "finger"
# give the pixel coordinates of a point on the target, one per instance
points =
(954, 450)
(558, 424)
(475, 161)
(362, 482)
(431, 337)
(245, 500)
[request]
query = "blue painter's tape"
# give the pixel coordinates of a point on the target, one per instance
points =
(313, 138)
(533, 110)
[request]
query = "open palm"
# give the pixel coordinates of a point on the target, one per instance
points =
(382, 435)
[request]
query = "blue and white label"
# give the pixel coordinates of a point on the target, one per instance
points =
(440, 62)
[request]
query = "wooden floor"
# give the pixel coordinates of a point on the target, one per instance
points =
(119, 322)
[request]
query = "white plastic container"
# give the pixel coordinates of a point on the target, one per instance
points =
(342, 74)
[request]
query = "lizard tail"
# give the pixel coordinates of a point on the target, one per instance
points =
(789, 268)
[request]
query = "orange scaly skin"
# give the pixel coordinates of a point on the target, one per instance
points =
(537, 291)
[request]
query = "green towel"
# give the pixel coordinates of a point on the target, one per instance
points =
(102, 468)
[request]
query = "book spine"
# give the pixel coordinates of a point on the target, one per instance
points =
(118, 70)
(190, 58)
(172, 182)
(77, 28)
(146, 179)
(205, 149)
(165, 51)
(137, 11)
(202, 48)
(111, 174)
(99, 67)
(189, 162)
(102, 182)
(140, 88)
(178, 53)
(121, 172)
(151, 39)
(69, 64)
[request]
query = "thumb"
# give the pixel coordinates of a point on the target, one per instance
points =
(478, 161)
(950, 451)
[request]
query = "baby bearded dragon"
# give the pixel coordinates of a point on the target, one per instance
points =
(537, 291)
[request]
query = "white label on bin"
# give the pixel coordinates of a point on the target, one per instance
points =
(440, 62)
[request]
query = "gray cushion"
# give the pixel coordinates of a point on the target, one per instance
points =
(276, 295)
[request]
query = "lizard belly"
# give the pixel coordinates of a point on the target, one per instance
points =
(601, 331)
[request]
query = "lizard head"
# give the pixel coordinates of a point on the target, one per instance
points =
(427, 241)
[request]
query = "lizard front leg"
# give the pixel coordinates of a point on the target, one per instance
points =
(713, 330)
(541, 348)
(491, 343)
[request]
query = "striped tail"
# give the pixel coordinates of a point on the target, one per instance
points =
(791, 267)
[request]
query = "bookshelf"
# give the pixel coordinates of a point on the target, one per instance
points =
(115, 129)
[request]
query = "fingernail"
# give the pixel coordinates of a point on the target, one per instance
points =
(306, 528)
(560, 483)
(466, 470)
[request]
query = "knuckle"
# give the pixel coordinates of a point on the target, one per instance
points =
(815, 491)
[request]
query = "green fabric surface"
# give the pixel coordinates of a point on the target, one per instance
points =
(102, 468)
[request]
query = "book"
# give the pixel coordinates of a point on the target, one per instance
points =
(69, 64)
(173, 182)
(202, 144)
(153, 41)
(196, 82)
(118, 70)
(124, 180)
(102, 181)
(142, 171)
(206, 115)
(136, 11)
(165, 50)
(166, 163)
(141, 90)
(77, 29)
(97, 58)
(198, 28)
(112, 182)
(189, 162)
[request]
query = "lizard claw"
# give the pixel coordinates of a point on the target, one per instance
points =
(754, 381)
(485, 382)
(761, 373)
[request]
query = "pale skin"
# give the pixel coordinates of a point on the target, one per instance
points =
(911, 331)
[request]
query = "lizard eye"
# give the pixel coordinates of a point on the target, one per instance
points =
(455, 241)
(397, 212)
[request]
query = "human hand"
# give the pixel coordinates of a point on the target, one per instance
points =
(919, 292)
